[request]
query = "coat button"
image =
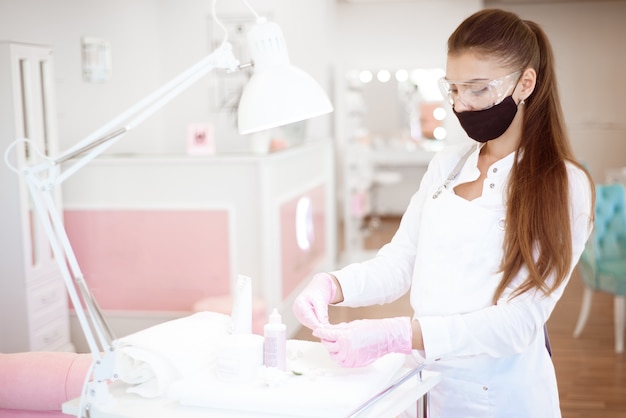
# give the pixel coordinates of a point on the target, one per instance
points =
(492, 185)
(485, 388)
(495, 169)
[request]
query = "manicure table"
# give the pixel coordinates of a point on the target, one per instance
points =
(315, 388)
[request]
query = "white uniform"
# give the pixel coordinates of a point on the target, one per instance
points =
(448, 250)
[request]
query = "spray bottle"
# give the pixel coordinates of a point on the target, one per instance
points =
(274, 346)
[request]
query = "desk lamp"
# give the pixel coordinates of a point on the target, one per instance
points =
(277, 94)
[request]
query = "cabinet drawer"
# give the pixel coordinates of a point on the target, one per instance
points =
(46, 300)
(51, 336)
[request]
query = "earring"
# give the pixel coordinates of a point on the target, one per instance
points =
(522, 102)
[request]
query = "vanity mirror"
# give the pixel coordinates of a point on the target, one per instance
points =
(401, 105)
(389, 123)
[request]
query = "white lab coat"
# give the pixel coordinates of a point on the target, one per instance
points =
(447, 250)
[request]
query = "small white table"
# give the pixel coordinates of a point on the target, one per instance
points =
(411, 392)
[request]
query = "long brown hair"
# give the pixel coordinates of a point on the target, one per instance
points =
(538, 232)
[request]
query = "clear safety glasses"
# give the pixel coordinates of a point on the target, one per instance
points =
(479, 94)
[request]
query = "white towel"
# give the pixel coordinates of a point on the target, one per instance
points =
(152, 359)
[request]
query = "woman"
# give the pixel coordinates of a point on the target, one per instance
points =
(487, 243)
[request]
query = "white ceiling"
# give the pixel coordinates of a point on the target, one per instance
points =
(490, 2)
(493, 2)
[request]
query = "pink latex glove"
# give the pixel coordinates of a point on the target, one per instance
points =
(311, 305)
(358, 343)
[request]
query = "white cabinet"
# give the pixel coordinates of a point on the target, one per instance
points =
(34, 313)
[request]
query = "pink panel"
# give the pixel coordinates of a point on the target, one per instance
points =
(151, 259)
(302, 251)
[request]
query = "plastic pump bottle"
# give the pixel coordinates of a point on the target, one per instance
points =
(274, 346)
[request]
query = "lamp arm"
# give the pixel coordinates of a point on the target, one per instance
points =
(41, 180)
(98, 334)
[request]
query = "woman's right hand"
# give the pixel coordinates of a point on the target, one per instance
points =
(311, 305)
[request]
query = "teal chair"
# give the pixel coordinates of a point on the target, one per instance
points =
(603, 262)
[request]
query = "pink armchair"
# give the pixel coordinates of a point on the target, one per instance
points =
(36, 384)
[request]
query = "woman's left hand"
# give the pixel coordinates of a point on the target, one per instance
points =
(359, 343)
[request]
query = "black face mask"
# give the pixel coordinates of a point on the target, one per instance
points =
(488, 124)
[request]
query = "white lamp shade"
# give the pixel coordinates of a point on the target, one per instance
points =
(278, 97)
(277, 93)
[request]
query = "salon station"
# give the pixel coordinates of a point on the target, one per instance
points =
(150, 188)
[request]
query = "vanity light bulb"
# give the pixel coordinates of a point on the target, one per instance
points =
(366, 76)
(402, 75)
(383, 76)
(439, 113)
(418, 76)
(440, 133)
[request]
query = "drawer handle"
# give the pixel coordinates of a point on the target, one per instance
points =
(47, 299)
(49, 338)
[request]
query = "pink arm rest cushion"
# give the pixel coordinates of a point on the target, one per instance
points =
(23, 413)
(41, 380)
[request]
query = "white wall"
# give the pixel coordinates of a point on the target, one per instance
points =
(588, 42)
(396, 34)
(130, 27)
